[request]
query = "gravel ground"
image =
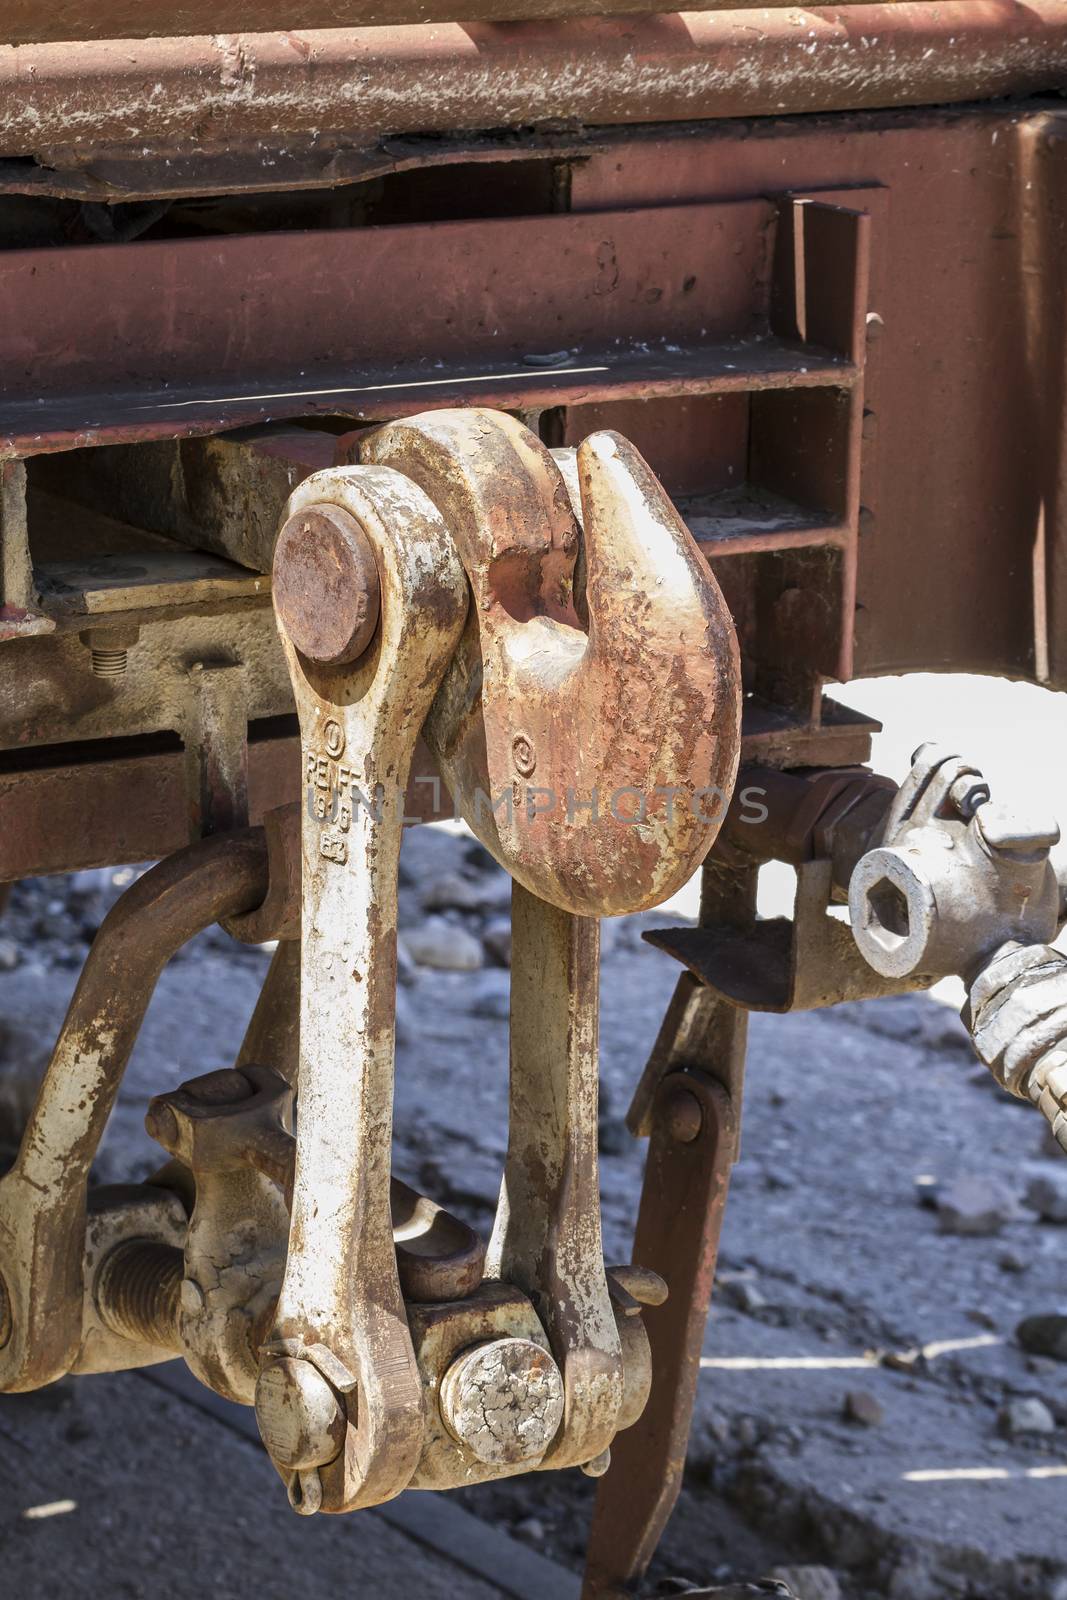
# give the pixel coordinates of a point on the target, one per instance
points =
(863, 1413)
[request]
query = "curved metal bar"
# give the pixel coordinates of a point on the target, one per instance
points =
(43, 1197)
(475, 75)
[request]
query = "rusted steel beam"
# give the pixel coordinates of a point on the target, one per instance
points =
(225, 320)
(471, 75)
(28, 22)
(130, 806)
(688, 1103)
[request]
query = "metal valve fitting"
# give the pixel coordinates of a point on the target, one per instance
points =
(954, 878)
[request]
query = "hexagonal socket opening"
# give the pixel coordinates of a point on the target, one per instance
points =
(887, 917)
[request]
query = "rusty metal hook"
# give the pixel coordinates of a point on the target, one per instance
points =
(593, 759)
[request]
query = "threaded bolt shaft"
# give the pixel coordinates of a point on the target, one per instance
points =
(138, 1292)
(109, 663)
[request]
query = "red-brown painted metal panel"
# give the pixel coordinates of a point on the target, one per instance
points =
(961, 388)
(412, 301)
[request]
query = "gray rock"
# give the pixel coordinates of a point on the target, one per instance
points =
(496, 937)
(452, 892)
(974, 1207)
(1041, 1366)
(406, 1028)
(455, 891)
(1012, 1261)
(748, 1432)
(808, 1583)
(739, 1289)
(441, 945)
(863, 1407)
(490, 995)
(495, 892)
(1025, 1416)
(941, 1029)
(10, 955)
(1047, 1148)
(1044, 1335)
(613, 1136)
(407, 972)
(22, 1064)
(531, 1528)
(913, 1580)
(1046, 1193)
(899, 1017)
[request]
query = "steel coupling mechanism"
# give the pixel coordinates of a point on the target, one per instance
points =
(589, 733)
(551, 625)
(960, 884)
(954, 877)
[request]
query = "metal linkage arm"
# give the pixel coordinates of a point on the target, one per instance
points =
(371, 600)
(546, 1239)
(43, 1196)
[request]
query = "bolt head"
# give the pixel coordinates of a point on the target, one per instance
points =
(327, 593)
(503, 1400)
(301, 1419)
(598, 1466)
(192, 1297)
(161, 1124)
(683, 1115)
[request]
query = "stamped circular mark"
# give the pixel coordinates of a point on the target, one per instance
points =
(333, 736)
(523, 755)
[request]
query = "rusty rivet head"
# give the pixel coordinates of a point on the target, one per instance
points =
(683, 1115)
(327, 593)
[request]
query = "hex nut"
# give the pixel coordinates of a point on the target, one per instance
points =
(892, 911)
(327, 593)
(503, 1400)
(301, 1420)
(969, 791)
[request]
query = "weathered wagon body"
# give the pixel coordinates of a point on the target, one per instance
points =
(811, 263)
